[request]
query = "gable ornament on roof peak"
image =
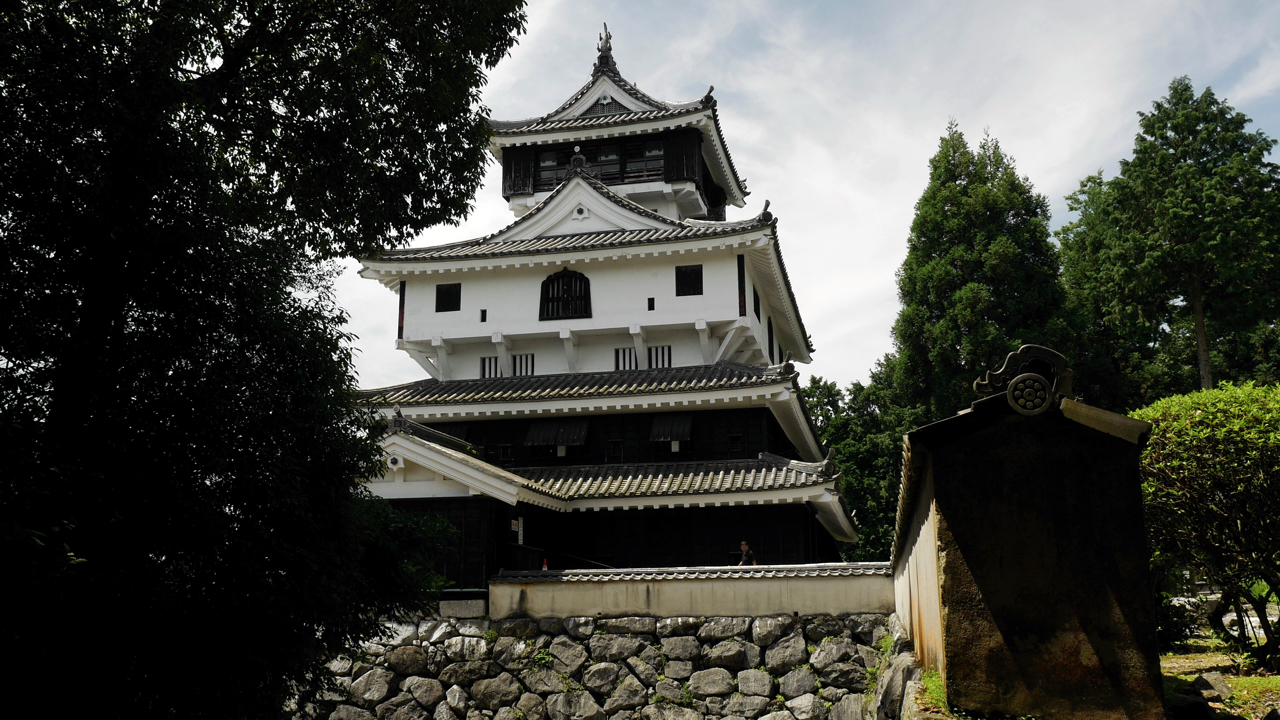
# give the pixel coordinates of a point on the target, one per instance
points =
(604, 61)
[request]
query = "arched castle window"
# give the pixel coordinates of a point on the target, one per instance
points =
(566, 294)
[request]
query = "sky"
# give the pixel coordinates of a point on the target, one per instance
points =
(832, 110)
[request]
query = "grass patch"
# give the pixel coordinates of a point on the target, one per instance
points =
(935, 694)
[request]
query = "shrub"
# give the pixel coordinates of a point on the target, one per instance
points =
(1211, 488)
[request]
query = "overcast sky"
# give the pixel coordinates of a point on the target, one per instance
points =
(832, 110)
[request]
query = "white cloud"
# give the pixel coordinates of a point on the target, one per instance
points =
(832, 110)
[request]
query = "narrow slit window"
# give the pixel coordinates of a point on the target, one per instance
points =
(660, 356)
(688, 280)
(484, 315)
(624, 358)
(770, 324)
(522, 364)
(755, 298)
(448, 297)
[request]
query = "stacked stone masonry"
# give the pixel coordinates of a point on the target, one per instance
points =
(626, 668)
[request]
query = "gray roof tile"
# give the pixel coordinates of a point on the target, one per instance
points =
(694, 573)
(622, 383)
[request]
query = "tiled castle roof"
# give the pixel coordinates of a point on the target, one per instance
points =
(696, 378)
(694, 573)
(768, 472)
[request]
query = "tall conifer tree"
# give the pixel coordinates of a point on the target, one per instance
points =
(980, 277)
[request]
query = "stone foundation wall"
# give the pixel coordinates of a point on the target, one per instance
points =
(780, 667)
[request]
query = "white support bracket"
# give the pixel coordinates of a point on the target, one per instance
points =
(503, 345)
(443, 349)
(729, 345)
(570, 339)
(419, 356)
(642, 351)
(704, 338)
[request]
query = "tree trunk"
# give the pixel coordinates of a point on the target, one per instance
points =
(1202, 340)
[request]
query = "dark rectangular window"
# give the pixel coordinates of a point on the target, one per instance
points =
(688, 280)
(615, 454)
(742, 286)
(651, 304)
(448, 297)
(770, 323)
(489, 367)
(400, 327)
(755, 298)
(484, 315)
(737, 446)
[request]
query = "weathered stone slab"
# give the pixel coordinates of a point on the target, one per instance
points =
(627, 695)
(568, 656)
(550, 626)
(609, 648)
(409, 660)
(681, 648)
(532, 707)
(601, 678)
(725, 654)
(628, 625)
(643, 670)
(516, 627)
(513, 653)
(798, 682)
(465, 673)
(850, 707)
(831, 651)
(544, 681)
(678, 669)
(465, 649)
(389, 707)
(348, 712)
(807, 707)
(495, 693)
(845, 675)
(819, 627)
(574, 706)
(747, 706)
(673, 626)
(373, 687)
(457, 699)
(427, 691)
(398, 634)
(723, 628)
(579, 628)
(444, 712)
(442, 632)
(666, 711)
(340, 665)
(463, 608)
(766, 631)
(668, 690)
(787, 653)
(472, 627)
(780, 715)
(755, 682)
(716, 681)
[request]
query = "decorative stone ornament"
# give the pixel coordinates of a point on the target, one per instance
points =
(1033, 379)
(1029, 394)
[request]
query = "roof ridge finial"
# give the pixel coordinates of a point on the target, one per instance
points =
(604, 61)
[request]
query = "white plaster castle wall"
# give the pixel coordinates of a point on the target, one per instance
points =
(620, 290)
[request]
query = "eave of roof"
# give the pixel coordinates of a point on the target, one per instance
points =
(490, 246)
(622, 383)
(582, 482)
(694, 573)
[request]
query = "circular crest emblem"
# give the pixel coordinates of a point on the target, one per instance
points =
(1029, 394)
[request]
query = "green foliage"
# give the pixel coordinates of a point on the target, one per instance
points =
(543, 659)
(490, 636)
(863, 426)
(686, 696)
(935, 692)
(1211, 484)
(1184, 239)
(184, 442)
(980, 277)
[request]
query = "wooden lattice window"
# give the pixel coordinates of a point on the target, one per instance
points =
(566, 294)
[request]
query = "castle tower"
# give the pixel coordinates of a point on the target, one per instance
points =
(615, 364)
